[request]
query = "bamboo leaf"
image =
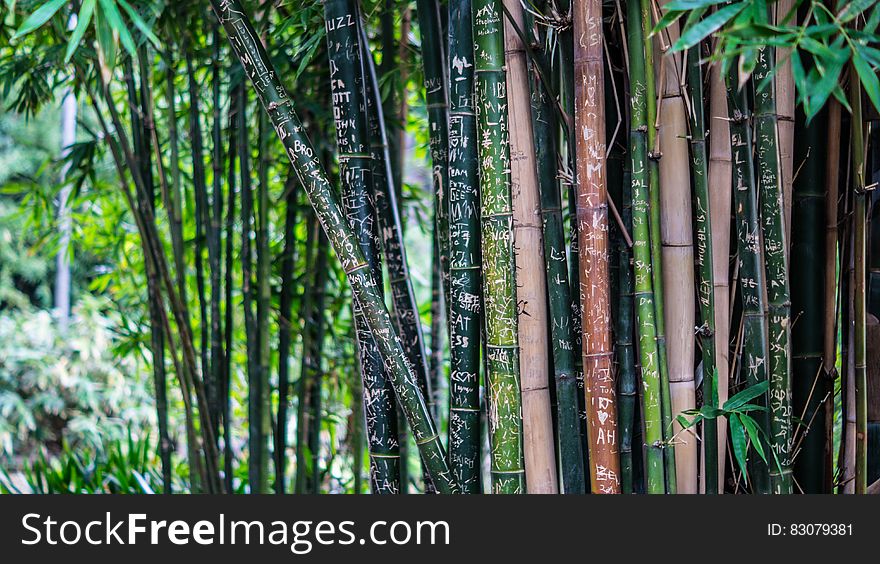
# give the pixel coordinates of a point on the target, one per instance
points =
(868, 77)
(704, 27)
(746, 395)
(139, 22)
(40, 16)
(739, 441)
(853, 8)
(751, 427)
(114, 18)
(83, 20)
(668, 19)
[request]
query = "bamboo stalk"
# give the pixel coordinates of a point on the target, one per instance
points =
(720, 197)
(783, 82)
(753, 365)
(327, 206)
(531, 288)
(545, 126)
(705, 262)
(677, 254)
(496, 231)
(859, 290)
(228, 275)
(643, 290)
(829, 349)
(215, 213)
(434, 69)
(347, 81)
(807, 249)
(655, 224)
(776, 272)
(464, 258)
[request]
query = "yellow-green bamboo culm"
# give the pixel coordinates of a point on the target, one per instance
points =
(499, 282)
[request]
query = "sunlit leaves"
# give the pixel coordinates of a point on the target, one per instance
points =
(821, 46)
(40, 16)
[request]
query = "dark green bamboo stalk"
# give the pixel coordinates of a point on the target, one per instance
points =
(175, 211)
(285, 320)
(200, 199)
(434, 69)
(307, 362)
(436, 369)
(355, 161)
(215, 213)
(776, 271)
(808, 249)
(315, 374)
(646, 312)
(496, 220)
(464, 259)
(627, 380)
(704, 259)
(656, 242)
(404, 307)
(264, 297)
(327, 206)
(545, 126)
(228, 271)
(753, 361)
(857, 178)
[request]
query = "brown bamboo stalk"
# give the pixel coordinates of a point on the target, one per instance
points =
(832, 181)
(720, 185)
(676, 235)
(531, 287)
(785, 103)
(592, 219)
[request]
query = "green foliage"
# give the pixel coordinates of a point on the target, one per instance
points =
(126, 465)
(823, 43)
(66, 388)
(744, 430)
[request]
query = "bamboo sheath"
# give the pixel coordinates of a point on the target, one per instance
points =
(279, 106)
(531, 288)
(356, 167)
(464, 259)
(676, 235)
(504, 398)
(720, 197)
(592, 217)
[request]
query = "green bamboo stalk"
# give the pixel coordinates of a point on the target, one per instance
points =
(545, 125)
(264, 297)
(496, 221)
(215, 213)
(810, 383)
(175, 199)
(753, 362)
(228, 271)
(355, 161)
(704, 260)
(566, 91)
(307, 361)
(327, 206)
(465, 307)
(315, 372)
(857, 178)
(285, 320)
(776, 271)
(384, 194)
(434, 70)
(627, 380)
(646, 312)
(656, 243)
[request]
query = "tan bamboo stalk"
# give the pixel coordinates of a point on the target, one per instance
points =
(676, 237)
(720, 185)
(832, 182)
(785, 103)
(592, 220)
(849, 434)
(531, 287)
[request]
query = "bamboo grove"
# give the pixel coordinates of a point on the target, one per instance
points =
(645, 233)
